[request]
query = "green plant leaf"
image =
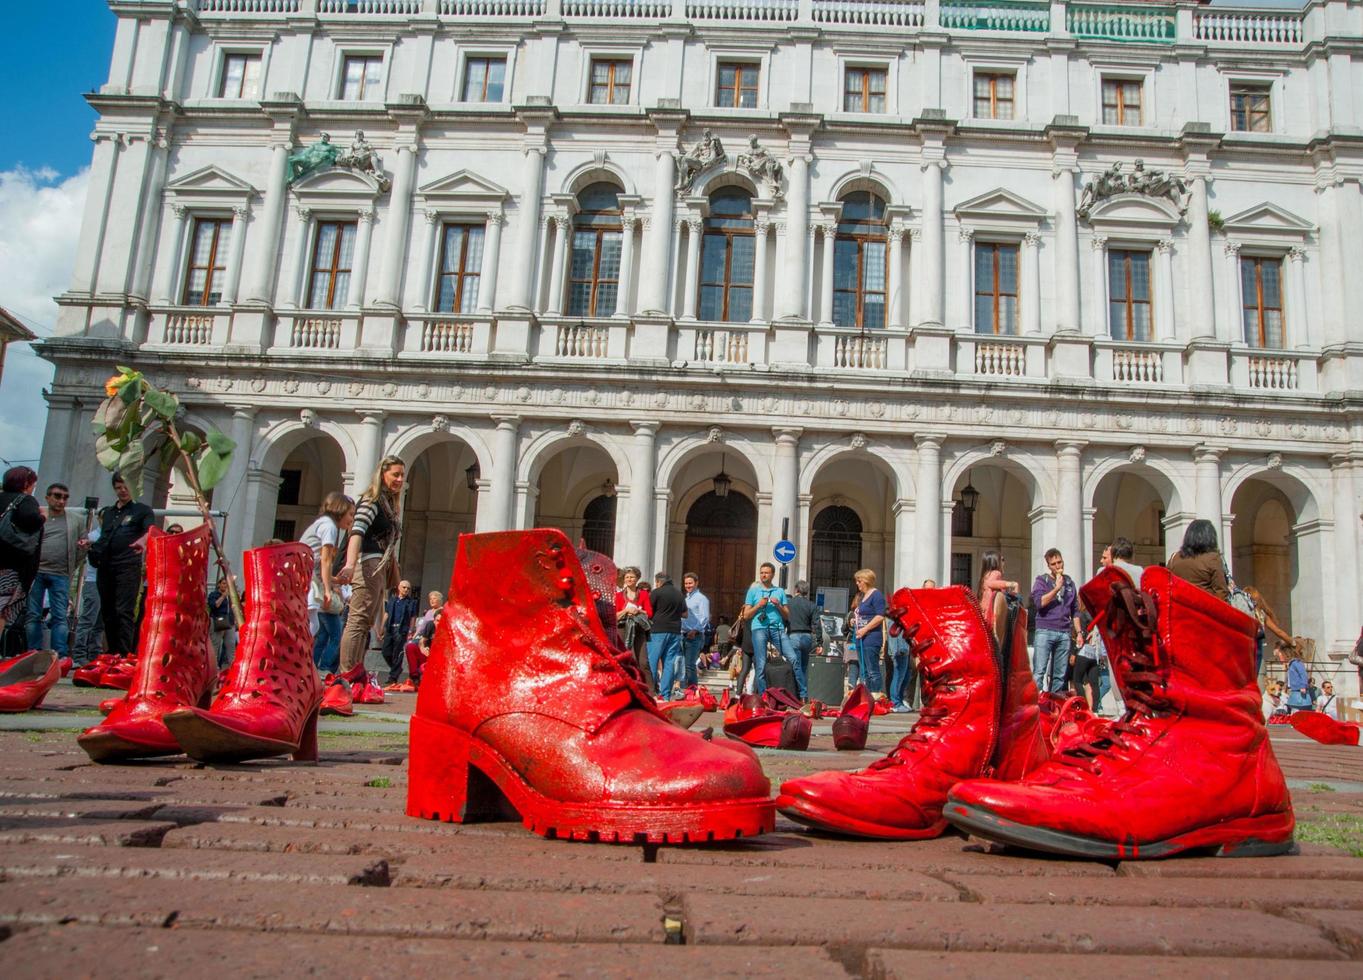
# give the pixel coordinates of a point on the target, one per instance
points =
(219, 443)
(189, 442)
(163, 403)
(132, 462)
(107, 454)
(212, 468)
(125, 371)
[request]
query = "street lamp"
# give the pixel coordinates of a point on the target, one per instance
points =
(722, 481)
(471, 476)
(970, 497)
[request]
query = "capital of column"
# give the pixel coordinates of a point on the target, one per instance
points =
(1232, 248)
(1296, 253)
(432, 217)
(646, 427)
(1165, 245)
(371, 417)
(915, 234)
(562, 221)
(366, 215)
(1070, 447)
(179, 210)
(241, 212)
(693, 225)
(829, 229)
(926, 165)
(244, 412)
(505, 422)
(1032, 238)
(966, 235)
(931, 441)
(1204, 453)
(896, 233)
(304, 213)
(786, 436)
(1098, 243)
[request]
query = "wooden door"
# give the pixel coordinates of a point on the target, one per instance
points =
(726, 565)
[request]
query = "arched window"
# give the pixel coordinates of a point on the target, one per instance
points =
(598, 525)
(860, 263)
(595, 284)
(727, 254)
(835, 548)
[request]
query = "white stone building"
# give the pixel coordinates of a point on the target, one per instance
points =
(561, 307)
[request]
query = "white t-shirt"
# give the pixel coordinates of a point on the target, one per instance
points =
(320, 533)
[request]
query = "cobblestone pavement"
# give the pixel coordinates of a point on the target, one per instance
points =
(173, 869)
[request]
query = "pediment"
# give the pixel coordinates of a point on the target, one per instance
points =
(1000, 203)
(465, 184)
(1268, 219)
(210, 181)
(338, 181)
(1135, 210)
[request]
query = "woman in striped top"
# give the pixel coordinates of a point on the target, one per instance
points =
(371, 559)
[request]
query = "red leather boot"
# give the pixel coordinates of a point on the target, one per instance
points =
(270, 702)
(26, 679)
(175, 663)
(979, 717)
(1323, 728)
(853, 723)
(1188, 767)
(524, 700)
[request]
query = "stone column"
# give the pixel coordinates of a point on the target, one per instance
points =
(786, 484)
(370, 448)
(521, 293)
(928, 544)
(492, 260)
(230, 495)
(174, 229)
(653, 291)
(1031, 267)
(260, 284)
(1298, 327)
(496, 508)
(932, 265)
(1101, 327)
(1208, 482)
(426, 297)
(623, 306)
(759, 279)
(236, 255)
(905, 546)
(966, 259)
(399, 228)
(1344, 570)
(555, 304)
(295, 262)
(1166, 319)
(643, 462)
(790, 301)
(894, 316)
(829, 231)
(1069, 508)
(1203, 306)
(1066, 253)
(359, 273)
(103, 169)
(689, 296)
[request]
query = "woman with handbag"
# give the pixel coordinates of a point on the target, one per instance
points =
(324, 536)
(371, 559)
(21, 535)
(634, 618)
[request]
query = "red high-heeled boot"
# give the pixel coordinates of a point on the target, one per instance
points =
(270, 703)
(854, 721)
(524, 700)
(1188, 767)
(26, 679)
(175, 663)
(979, 716)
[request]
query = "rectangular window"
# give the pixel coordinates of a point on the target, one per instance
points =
(994, 95)
(240, 77)
(962, 521)
(859, 274)
(737, 88)
(484, 79)
(1261, 286)
(960, 569)
(726, 276)
(461, 264)
(1121, 102)
(595, 282)
(207, 262)
(1249, 108)
(333, 255)
(864, 90)
(362, 78)
(1128, 284)
(996, 288)
(610, 81)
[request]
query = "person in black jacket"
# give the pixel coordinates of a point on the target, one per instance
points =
(119, 566)
(19, 550)
(399, 613)
(669, 606)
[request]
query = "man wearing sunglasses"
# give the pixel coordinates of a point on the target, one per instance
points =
(63, 539)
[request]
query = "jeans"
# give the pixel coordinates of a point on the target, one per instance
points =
(89, 630)
(903, 665)
(868, 654)
(1050, 657)
(801, 646)
(56, 587)
(326, 645)
(691, 648)
(666, 649)
(761, 636)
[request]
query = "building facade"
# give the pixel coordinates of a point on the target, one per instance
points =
(902, 281)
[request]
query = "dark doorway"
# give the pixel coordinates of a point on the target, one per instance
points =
(598, 525)
(721, 547)
(835, 548)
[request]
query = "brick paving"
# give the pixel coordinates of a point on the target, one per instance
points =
(166, 868)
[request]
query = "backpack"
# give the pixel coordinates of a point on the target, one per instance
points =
(780, 673)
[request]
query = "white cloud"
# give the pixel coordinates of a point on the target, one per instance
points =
(40, 216)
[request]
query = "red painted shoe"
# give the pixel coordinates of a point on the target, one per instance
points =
(1189, 767)
(979, 716)
(1065, 719)
(881, 706)
(726, 699)
(175, 663)
(90, 674)
(1323, 728)
(118, 673)
(853, 721)
(407, 686)
(108, 704)
(270, 704)
(336, 697)
(64, 664)
(538, 709)
(26, 679)
(367, 690)
(683, 714)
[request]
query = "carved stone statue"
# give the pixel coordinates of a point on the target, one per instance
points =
(362, 157)
(1148, 183)
(705, 154)
(311, 159)
(763, 167)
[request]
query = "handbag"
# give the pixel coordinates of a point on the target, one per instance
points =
(316, 594)
(25, 542)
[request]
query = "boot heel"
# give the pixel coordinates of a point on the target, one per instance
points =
(307, 743)
(441, 782)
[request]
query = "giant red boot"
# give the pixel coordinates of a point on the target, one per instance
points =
(175, 663)
(979, 717)
(524, 700)
(1188, 767)
(270, 702)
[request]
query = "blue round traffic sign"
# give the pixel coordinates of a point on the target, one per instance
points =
(784, 552)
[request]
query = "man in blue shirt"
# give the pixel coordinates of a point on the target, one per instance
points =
(695, 626)
(765, 606)
(1056, 601)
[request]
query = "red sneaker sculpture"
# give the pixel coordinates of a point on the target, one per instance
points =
(26, 679)
(175, 664)
(979, 717)
(1188, 767)
(270, 702)
(1323, 728)
(525, 701)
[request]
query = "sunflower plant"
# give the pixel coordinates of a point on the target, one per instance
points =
(138, 422)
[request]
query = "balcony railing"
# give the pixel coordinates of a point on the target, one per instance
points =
(743, 10)
(1246, 28)
(382, 8)
(255, 7)
(622, 9)
(888, 13)
(1000, 15)
(1120, 23)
